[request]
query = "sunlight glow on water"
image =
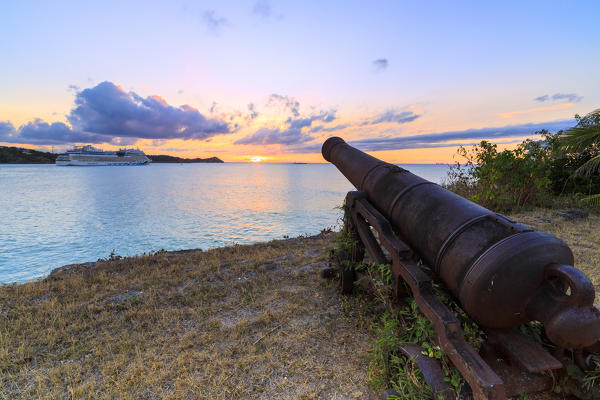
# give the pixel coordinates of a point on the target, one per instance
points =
(52, 216)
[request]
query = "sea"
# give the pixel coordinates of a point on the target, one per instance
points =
(52, 216)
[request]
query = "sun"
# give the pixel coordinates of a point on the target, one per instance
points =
(256, 159)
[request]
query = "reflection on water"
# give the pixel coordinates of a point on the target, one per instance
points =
(51, 216)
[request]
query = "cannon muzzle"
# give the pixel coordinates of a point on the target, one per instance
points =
(503, 273)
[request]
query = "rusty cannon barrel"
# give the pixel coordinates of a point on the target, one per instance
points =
(503, 273)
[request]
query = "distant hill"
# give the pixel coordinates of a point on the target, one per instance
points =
(19, 155)
(170, 159)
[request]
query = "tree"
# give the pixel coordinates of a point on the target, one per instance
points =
(584, 138)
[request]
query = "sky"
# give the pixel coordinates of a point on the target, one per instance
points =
(271, 80)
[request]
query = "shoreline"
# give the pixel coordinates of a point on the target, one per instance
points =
(546, 220)
(253, 321)
(244, 321)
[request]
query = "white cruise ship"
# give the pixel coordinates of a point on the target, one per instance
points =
(88, 155)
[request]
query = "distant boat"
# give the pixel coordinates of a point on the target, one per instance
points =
(300, 163)
(89, 155)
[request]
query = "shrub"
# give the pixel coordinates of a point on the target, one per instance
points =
(503, 180)
(564, 176)
(584, 138)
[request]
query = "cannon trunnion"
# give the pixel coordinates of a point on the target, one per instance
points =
(503, 273)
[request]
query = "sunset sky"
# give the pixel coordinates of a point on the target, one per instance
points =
(271, 80)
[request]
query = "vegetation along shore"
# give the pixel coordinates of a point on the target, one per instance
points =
(19, 155)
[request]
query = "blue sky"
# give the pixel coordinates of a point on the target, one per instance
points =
(456, 66)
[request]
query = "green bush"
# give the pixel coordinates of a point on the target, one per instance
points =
(564, 163)
(563, 174)
(575, 154)
(503, 180)
(583, 140)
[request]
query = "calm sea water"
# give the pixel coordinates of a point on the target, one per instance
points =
(52, 216)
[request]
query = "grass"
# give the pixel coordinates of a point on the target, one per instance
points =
(252, 322)
(581, 235)
(404, 323)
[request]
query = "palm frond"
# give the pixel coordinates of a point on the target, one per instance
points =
(593, 200)
(579, 137)
(591, 167)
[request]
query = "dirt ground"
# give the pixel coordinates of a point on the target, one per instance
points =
(582, 235)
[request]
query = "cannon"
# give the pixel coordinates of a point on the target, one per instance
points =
(503, 273)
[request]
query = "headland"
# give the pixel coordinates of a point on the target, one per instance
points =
(19, 155)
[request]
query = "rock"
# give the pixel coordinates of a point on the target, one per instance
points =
(312, 252)
(573, 214)
(286, 257)
(267, 267)
(41, 299)
(305, 268)
(247, 276)
(123, 297)
(72, 267)
(183, 252)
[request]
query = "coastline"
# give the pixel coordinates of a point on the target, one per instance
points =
(244, 321)
(19, 155)
(254, 321)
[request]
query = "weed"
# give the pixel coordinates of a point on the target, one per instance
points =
(592, 377)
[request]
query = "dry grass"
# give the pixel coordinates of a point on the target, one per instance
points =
(582, 236)
(252, 322)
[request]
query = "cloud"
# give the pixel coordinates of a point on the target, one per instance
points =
(392, 116)
(299, 123)
(467, 137)
(106, 113)
(107, 109)
(252, 110)
(212, 22)
(176, 149)
(296, 129)
(472, 136)
(39, 132)
(381, 64)
(288, 102)
(266, 136)
(321, 128)
(6, 129)
(262, 8)
(560, 106)
(292, 134)
(570, 97)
